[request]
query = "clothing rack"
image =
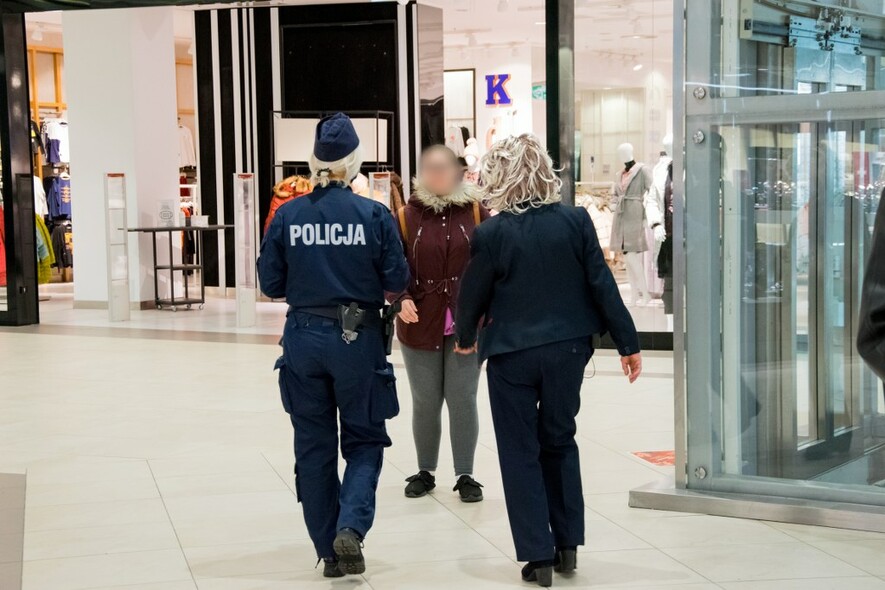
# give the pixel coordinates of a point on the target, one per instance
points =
(281, 169)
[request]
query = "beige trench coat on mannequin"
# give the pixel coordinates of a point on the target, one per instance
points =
(628, 204)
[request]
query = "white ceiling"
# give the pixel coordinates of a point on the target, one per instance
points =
(611, 36)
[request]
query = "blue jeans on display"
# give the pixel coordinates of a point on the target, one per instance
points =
(323, 379)
(535, 397)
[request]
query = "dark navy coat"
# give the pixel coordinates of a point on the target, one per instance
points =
(332, 247)
(540, 278)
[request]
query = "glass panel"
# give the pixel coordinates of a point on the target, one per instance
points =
(798, 204)
(624, 95)
(800, 47)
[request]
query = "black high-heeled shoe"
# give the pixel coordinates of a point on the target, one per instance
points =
(566, 560)
(540, 572)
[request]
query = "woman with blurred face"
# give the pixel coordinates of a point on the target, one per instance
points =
(437, 225)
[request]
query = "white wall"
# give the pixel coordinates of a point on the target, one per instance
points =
(518, 63)
(121, 95)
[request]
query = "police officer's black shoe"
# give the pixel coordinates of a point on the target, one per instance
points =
(469, 488)
(420, 484)
(566, 560)
(331, 569)
(540, 572)
(349, 548)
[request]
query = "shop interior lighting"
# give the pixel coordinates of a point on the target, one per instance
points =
(637, 67)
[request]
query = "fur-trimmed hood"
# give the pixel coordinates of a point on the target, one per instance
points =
(466, 195)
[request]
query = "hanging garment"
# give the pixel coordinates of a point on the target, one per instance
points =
(188, 238)
(628, 204)
(61, 245)
(45, 252)
(41, 208)
(187, 154)
(59, 197)
(286, 190)
(2, 249)
(37, 146)
(55, 139)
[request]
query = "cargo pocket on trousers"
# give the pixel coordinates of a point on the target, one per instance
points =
(280, 366)
(384, 403)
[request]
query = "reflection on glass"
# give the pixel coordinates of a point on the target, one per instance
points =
(800, 47)
(798, 203)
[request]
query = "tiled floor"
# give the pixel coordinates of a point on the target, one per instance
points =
(161, 463)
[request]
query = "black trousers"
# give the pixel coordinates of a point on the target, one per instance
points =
(535, 397)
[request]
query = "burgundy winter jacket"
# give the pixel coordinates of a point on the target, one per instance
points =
(437, 246)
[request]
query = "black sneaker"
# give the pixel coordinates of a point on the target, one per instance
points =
(331, 569)
(540, 572)
(420, 484)
(349, 549)
(469, 488)
(566, 560)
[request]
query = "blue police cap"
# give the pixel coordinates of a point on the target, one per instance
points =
(335, 138)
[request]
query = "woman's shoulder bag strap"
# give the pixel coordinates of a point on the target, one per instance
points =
(401, 217)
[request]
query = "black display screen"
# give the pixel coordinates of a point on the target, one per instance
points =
(44, 5)
(350, 67)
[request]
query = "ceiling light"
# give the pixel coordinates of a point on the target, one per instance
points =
(541, 22)
(503, 5)
(637, 67)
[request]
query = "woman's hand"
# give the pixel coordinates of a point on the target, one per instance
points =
(409, 312)
(632, 366)
(466, 351)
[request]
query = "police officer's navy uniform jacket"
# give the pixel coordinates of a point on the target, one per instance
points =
(332, 247)
(322, 250)
(539, 278)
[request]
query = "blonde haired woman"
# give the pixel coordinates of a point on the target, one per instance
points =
(539, 283)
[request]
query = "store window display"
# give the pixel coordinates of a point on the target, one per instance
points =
(630, 202)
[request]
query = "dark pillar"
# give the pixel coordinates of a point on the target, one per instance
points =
(560, 49)
(18, 189)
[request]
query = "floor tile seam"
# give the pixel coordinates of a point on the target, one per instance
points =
(730, 581)
(136, 585)
(280, 475)
(172, 524)
(855, 566)
(103, 554)
(363, 576)
(130, 499)
(249, 471)
(701, 546)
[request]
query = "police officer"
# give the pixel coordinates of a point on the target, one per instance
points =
(333, 254)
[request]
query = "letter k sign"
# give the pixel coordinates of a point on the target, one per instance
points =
(497, 91)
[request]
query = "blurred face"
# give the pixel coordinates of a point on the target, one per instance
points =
(440, 173)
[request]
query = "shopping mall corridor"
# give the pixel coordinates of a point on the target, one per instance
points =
(161, 460)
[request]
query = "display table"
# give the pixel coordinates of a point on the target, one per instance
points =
(174, 302)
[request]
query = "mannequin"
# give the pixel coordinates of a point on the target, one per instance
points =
(662, 204)
(471, 156)
(655, 204)
(629, 203)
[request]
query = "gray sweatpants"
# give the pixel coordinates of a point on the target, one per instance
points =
(434, 377)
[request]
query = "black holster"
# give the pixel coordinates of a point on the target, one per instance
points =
(389, 316)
